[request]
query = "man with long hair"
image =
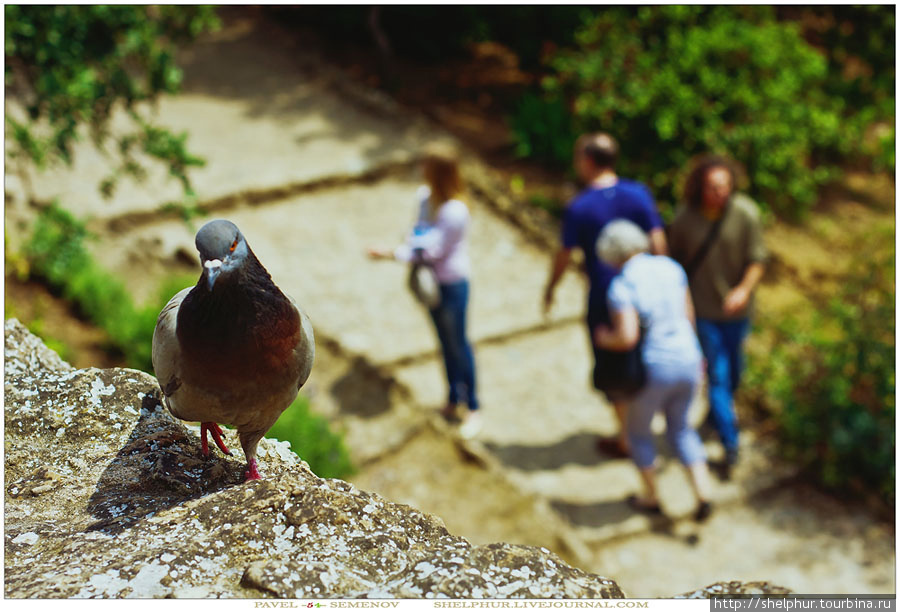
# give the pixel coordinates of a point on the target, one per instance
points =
(717, 237)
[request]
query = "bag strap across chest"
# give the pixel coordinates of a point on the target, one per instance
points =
(700, 255)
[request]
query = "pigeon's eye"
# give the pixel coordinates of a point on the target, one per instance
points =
(233, 245)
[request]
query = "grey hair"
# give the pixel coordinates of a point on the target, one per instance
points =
(620, 240)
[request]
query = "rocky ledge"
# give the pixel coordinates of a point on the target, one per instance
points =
(107, 496)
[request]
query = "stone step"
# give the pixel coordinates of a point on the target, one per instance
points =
(541, 424)
(591, 497)
(534, 389)
(479, 504)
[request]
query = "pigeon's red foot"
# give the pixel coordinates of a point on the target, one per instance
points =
(252, 473)
(216, 432)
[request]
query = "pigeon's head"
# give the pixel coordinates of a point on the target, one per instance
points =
(222, 248)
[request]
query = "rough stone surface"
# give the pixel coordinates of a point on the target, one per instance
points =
(735, 588)
(106, 497)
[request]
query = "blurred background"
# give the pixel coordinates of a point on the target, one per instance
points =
(127, 127)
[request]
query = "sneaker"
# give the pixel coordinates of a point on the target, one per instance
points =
(471, 426)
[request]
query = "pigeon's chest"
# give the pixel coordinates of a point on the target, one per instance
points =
(261, 358)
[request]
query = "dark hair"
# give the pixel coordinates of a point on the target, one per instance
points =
(601, 148)
(693, 185)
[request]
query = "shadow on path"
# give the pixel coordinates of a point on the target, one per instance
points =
(578, 449)
(608, 512)
(363, 390)
(159, 466)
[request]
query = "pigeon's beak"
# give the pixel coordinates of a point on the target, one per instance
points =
(213, 268)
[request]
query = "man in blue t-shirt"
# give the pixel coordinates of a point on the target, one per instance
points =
(606, 197)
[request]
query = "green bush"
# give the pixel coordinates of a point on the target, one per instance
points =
(671, 82)
(56, 252)
(830, 382)
(312, 439)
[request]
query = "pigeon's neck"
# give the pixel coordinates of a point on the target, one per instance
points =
(242, 317)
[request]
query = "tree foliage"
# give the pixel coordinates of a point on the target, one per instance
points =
(671, 82)
(830, 381)
(73, 66)
(859, 44)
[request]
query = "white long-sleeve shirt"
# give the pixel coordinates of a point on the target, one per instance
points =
(442, 241)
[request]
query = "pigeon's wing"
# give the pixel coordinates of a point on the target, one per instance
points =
(305, 351)
(166, 353)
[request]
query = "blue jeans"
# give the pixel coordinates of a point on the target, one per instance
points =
(722, 344)
(450, 322)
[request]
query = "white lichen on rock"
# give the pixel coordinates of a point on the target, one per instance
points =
(98, 472)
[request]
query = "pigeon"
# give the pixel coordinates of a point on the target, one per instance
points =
(232, 349)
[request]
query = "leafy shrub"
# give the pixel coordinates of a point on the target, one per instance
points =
(674, 81)
(544, 128)
(56, 252)
(859, 45)
(830, 383)
(312, 439)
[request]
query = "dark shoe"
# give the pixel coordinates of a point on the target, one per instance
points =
(612, 448)
(731, 459)
(636, 504)
(721, 469)
(707, 430)
(724, 469)
(449, 413)
(731, 456)
(703, 511)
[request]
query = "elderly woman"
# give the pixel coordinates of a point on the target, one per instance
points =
(651, 292)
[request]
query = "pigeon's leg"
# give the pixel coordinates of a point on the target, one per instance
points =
(217, 436)
(249, 440)
(204, 444)
(252, 473)
(216, 431)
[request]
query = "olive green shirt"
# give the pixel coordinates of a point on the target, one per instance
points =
(738, 244)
